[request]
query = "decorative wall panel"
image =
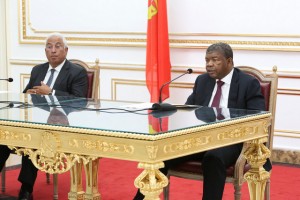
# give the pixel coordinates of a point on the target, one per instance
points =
(247, 26)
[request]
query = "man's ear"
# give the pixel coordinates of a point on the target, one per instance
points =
(230, 61)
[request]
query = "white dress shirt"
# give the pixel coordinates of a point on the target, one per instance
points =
(225, 91)
(55, 75)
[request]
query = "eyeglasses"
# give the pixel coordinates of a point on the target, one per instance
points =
(57, 46)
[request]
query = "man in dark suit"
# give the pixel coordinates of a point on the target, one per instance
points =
(239, 90)
(57, 77)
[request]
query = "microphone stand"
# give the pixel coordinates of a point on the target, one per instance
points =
(166, 106)
(161, 110)
(189, 71)
(7, 79)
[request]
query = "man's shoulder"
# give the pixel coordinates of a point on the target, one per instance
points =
(74, 66)
(243, 75)
(40, 66)
(204, 75)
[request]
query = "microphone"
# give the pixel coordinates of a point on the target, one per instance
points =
(7, 79)
(10, 105)
(166, 106)
(189, 71)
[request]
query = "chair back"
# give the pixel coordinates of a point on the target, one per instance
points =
(93, 73)
(269, 85)
(192, 169)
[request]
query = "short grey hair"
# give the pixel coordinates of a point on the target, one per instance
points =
(222, 47)
(56, 34)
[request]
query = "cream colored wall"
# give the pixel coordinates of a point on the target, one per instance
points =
(3, 39)
(261, 33)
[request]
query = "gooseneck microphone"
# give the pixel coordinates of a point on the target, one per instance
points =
(189, 71)
(166, 106)
(7, 79)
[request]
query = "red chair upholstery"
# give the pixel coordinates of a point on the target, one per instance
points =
(90, 82)
(235, 174)
(93, 77)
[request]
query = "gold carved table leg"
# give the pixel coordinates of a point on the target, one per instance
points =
(151, 181)
(76, 192)
(257, 176)
(91, 171)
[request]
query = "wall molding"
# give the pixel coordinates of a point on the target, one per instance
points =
(258, 42)
(3, 46)
(23, 78)
(287, 133)
(141, 67)
(175, 69)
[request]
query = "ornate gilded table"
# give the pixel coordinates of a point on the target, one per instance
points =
(71, 133)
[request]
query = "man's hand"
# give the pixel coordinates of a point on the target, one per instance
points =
(31, 91)
(41, 90)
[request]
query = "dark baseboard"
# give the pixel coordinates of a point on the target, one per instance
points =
(6, 197)
(13, 167)
(285, 156)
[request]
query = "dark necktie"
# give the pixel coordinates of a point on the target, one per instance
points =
(217, 97)
(219, 114)
(50, 78)
(49, 84)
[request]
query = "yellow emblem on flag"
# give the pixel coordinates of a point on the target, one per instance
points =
(152, 9)
(152, 130)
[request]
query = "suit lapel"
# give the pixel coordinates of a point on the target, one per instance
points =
(234, 88)
(41, 76)
(62, 74)
(209, 87)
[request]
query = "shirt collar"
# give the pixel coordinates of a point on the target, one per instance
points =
(228, 77)
(58, 68)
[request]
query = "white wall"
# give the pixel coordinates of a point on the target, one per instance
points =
(3, 56)
(262, 34)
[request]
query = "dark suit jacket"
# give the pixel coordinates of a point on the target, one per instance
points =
(244, 92)
(71, 81)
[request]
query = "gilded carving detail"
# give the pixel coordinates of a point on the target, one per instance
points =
(92, 197)
(91, 171)
(102, 146)
(266, 126)
(237, 133)
(50, 144)
(75, 196)
(52, 162)
(8, 135)
(187, 144)
(59, 163)
(151, 181)
(257, 176)
(256, 154)
(152, 151)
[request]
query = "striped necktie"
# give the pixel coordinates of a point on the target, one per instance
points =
(50, 78)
